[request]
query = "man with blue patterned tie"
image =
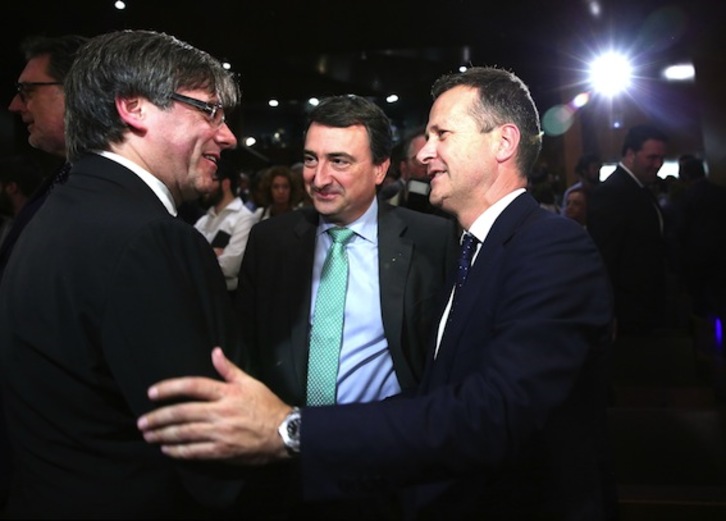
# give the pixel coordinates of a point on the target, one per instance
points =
(509, 421)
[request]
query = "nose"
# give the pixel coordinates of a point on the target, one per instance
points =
(427, 152)
(225, 137)
(16, 104)
(320, 174)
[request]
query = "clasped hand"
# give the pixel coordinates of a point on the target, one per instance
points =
(235, 419)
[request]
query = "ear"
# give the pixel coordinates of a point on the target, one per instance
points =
(508, 142)
(382, 170)
(133, 111)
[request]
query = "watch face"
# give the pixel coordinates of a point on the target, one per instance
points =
(290, 432)
(293, 428)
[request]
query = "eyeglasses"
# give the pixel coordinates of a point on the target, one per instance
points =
(215, 111)
(25, 87)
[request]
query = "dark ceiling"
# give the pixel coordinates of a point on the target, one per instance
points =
(296, 49)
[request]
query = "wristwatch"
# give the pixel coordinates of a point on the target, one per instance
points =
(289, 431)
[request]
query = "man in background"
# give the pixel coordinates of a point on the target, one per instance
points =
(40, 103)
(227, 223)
(626, 222)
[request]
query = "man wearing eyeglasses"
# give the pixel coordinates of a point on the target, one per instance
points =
(109, 290)
(40, 103)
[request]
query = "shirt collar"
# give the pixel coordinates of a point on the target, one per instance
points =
(631, 174)
(365, 226)
(159, 188)
(481, 226)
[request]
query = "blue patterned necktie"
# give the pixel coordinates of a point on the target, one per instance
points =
(326, 334)
(468, 247)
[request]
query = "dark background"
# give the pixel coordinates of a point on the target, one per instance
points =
(297, 49)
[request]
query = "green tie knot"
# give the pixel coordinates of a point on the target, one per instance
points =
(341, 235)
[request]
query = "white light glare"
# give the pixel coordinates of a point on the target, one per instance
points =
(250, 141)
(314, 102)
(580, 100)
(462, 68)
(610, 73)
(273, 103)
(392, 98)
(226, 65)
(681, 72)
(595, 8)
(120, 5)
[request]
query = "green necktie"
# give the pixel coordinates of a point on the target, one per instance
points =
(326, 334)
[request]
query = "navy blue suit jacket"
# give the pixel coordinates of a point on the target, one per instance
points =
(510, 416)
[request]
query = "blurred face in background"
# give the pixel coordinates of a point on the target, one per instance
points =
(646, 162)
(280, 190)
(576, 206)
(41, 107)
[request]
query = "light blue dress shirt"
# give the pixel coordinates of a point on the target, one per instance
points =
(366, 370)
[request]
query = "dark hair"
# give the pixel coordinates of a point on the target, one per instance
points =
(585, 161)
(348, 110)
(133, 63)
(61, 51)
(409, 137)
(691, 169)
(23, 171)
(503, 98)
(226, 170)
(638, 135)
(269, 175)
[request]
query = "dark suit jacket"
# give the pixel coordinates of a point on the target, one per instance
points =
(623, 221)
(416, 252)
(509, 422)
(105, 294)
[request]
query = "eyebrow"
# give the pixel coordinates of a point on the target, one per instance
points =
(331, 155)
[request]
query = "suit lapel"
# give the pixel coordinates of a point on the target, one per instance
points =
(299, 273)
(394, 259)
(481, 277)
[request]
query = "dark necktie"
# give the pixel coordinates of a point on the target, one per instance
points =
(326, 333)
(468, 247)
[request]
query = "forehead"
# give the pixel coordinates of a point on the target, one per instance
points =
(325, 140)
(36, 69)
(653, 147)
(453, 107)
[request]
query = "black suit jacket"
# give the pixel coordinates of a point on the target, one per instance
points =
(623, 220)
(509, 422)
(415, 254)
(105, 294)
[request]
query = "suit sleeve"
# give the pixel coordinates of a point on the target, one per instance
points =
(167, 308)
(541, 307)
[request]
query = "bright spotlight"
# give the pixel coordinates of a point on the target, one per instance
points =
(610, 74)
(393, 98)
(250, 141)
(273, 103)
(682, 72)
(462, 68)
(226, 65)
(120, 5)
(314, 102)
